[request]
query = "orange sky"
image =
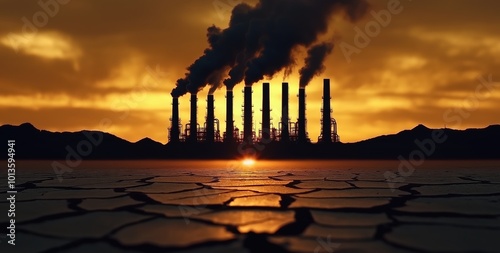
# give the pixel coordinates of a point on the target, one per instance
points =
(115, 62)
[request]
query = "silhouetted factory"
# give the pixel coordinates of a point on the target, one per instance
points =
(287, 130)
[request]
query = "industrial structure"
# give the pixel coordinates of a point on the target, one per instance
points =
(287, 130)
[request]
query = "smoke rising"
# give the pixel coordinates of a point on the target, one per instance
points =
(260, 42)
(215, 79)
(314, 62)
(180, 87)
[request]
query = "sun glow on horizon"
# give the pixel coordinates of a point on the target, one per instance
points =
(248, 161)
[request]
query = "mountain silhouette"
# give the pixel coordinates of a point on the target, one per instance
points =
(474, 143)
(458, 144)
(32, 143)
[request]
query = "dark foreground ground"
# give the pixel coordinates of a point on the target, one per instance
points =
(342, 206)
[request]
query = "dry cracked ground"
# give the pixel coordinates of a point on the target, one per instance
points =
(255, 210)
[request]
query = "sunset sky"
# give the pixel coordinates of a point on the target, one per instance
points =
(117, 61)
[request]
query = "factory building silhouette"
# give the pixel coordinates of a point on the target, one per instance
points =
(285, 132)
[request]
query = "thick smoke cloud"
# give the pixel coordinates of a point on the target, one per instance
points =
(314, 62)
(260, 41)
(181, 87)
(210, 67)
(215, 79)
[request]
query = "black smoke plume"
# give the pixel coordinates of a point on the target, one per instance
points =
(210, 67)
(260, 40)
(180, 87)
(215, 79)
(314, 62)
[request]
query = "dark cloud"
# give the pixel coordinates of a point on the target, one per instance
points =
(109, 33)
(25, 73)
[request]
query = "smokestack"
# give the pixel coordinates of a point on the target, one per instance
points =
(210, 119)
(266, 112)
(247, 114)
(229, 116)
(174, 130)
(285, 132)
(302, 136)
(327, 117)
(193, 125)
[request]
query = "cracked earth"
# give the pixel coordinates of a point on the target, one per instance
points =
(297, 207)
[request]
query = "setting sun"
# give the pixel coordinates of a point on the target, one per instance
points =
(248, 162)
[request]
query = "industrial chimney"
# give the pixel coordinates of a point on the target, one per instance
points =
(326, 124)
(285, 131)
(247, 115)
(209, 137)
(193, 125)
(229, 116)
(174, 130)
(302, 135)
(266, 112)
